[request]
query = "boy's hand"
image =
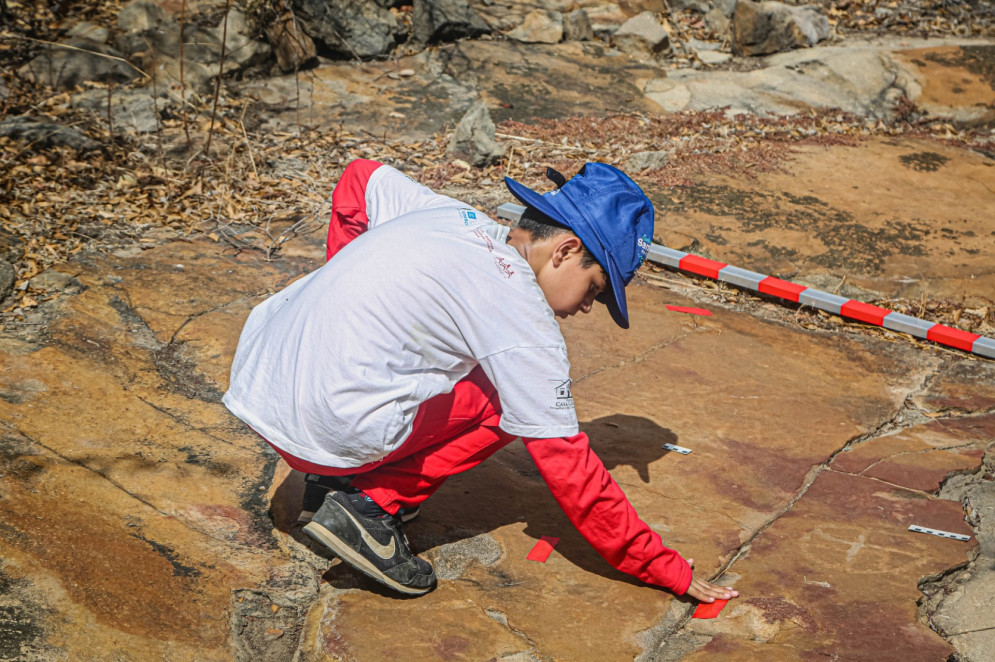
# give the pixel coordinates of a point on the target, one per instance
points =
(706, 591)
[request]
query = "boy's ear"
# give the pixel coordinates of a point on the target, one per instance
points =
(566, 245)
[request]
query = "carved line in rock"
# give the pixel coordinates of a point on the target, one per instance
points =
(639, 358)
(181, 420)
(927, 495)
(90, 469)
(921, 451)
(116, 484)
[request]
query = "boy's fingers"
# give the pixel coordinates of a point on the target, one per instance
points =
(708, 592)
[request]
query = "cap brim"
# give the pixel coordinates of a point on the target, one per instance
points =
(614, 298)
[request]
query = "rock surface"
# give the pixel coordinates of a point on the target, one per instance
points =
(513, 80)
(473, 139)
(7, 277)
(140, 520)
(349, 28)
(811, 527)
(761, 28)
(862, 78)
(539, 27)
(445, 20)
(893, 217)
(46, 134)
(78, 60)
(643, 33)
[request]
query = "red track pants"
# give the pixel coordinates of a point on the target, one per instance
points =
(452, 433)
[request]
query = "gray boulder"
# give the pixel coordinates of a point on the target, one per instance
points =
(700, 6)
(704, 6)
(46, 134)
(577, 26)
(473, 140)
(11, 246)
(539, 27)
(349, 28)
(7, 278)
(50, 280)
(91, 31)
(643, 33)
(445, 20)
(606, 18)
(149, 34)
(653, 160)
(242, 49)
(294, 49)
(865, 81)
(727, 7)
(761, 28)
(717, 22)
(132, 111)
(76, 61)
(144, 29)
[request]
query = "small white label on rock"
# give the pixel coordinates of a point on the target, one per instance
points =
(937, 532)
(677, 449)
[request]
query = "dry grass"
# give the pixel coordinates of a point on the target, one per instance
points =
(254, 190)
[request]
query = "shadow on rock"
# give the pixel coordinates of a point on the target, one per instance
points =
(455, 526)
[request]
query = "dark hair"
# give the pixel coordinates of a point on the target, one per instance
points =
(543, 227)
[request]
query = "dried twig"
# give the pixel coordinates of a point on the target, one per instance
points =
(536, 140)
(81, 50)
(217, 85)
(183, 86)
(248, 143)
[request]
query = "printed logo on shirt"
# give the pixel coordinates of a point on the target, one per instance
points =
(486, 238)
(504, 267)
(468, 215)
(564, 399)
(644, 244)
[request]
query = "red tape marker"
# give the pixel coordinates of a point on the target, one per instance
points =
(709, 609)
(543, 548)
(690, 311)
(701, 265)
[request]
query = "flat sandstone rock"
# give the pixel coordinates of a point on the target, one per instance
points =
(137, 511)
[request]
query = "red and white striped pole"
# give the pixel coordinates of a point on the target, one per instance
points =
(783, 289)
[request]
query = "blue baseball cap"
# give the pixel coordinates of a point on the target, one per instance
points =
(609, 213)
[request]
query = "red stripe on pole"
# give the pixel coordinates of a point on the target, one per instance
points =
(781, 288)
(701, 266)
(953, 337)
(864, 312)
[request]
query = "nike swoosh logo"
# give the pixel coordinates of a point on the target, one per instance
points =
(386, 552)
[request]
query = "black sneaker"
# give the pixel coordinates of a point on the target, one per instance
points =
(317, 486)
(371, 541)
